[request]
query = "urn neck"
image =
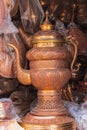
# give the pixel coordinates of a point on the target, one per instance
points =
(47, 36)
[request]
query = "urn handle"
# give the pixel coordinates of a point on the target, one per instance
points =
(70, 40)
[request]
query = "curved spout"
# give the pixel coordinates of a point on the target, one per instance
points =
(22, 74)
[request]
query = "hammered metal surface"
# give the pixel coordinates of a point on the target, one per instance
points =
(49, 101)
(48, 77)
(80, 37)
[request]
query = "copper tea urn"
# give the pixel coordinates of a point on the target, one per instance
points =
(49, 72)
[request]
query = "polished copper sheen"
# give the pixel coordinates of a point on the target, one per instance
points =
(49, 72)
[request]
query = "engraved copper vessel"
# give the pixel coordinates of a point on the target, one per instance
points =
(7, 55)
(80, 37)
(49, 72)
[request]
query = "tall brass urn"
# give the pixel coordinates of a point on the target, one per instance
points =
(49, 72)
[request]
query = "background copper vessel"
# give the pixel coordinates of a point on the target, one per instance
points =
(7, 55)
(81, 39)
(49, 64)
(13, 6)
(82, 13)
(7, 86)
(3, 11)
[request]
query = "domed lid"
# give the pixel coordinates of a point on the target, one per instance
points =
(47, 36)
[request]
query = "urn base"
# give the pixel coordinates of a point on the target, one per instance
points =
(31, 122)
(48, 114)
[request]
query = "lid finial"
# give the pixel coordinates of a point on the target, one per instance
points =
(47, 25)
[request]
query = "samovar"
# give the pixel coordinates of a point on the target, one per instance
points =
(49, 72)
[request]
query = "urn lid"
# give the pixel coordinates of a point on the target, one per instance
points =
(47, 36)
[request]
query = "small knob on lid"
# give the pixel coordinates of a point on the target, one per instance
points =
(47, 25)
